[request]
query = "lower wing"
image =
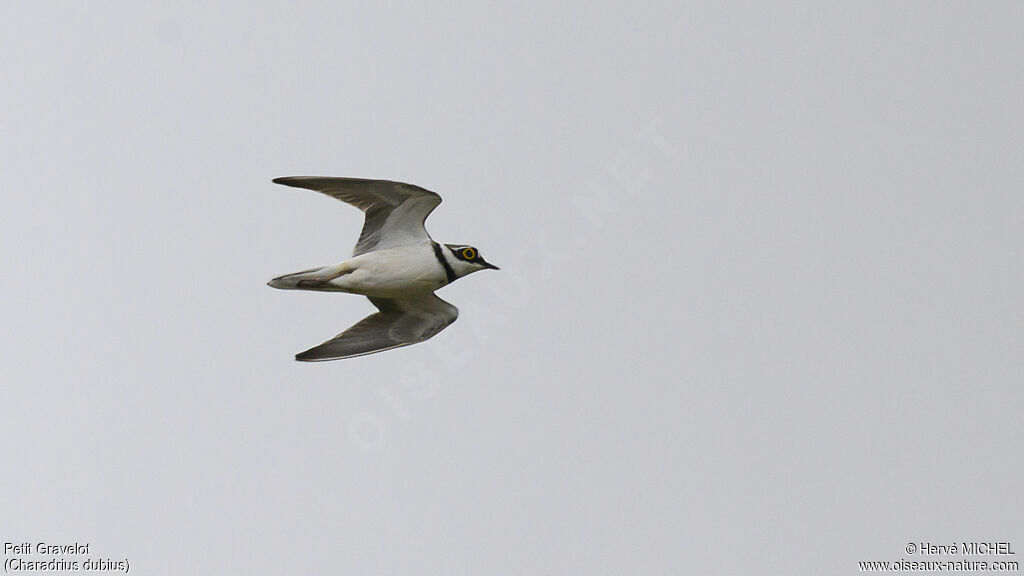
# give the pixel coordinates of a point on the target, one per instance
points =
(400, 322)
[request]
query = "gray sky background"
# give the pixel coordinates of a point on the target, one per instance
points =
(759, 309)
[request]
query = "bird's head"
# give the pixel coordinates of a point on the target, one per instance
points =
(467, 259)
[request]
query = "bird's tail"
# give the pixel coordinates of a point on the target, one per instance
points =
(312, 279)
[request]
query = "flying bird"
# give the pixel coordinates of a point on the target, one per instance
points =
(396, 264)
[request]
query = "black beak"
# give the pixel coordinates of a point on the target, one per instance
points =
(489, 265)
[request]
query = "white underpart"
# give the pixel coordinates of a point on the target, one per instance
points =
(392, 272)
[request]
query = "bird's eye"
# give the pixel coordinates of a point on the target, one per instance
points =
(469, 254)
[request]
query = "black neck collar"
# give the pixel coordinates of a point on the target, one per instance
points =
(447, 267)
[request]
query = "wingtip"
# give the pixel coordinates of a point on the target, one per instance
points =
(310, 355)
(316, 354)
(304, 357)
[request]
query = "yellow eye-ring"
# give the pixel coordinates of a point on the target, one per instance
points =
(469, 254)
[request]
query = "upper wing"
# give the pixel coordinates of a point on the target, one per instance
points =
(399, 323)
(395, 212)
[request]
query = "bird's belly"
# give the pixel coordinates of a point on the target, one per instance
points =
(391, 273)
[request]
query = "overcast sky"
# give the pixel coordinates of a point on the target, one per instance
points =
(759, 309)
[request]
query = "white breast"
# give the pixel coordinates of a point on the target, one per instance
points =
(393, 272)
